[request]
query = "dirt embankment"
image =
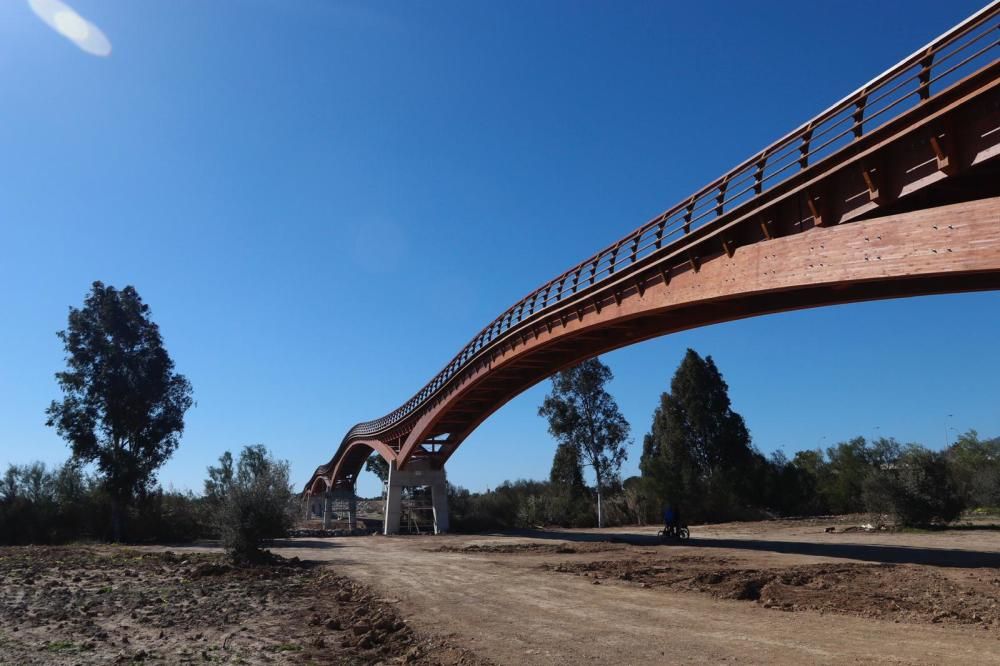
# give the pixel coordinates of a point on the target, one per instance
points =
(893, 592)
(529, 548)
(107, 604)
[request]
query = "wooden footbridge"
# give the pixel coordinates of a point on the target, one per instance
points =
(893, 191)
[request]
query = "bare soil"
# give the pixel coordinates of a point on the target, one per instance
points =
(87, 604)
(531, 548)
(893, 592)
(784, 592)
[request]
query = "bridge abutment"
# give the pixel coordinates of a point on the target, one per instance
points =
(418, 473)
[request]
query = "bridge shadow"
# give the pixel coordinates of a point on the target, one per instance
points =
(303, 543)
(887, 554)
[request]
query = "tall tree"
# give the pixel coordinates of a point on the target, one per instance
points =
(220, 479)
(585, 418)
(378, 466)
(848, 463)
(697, 454)
(567, 472)
(123, 405)
(567, 499)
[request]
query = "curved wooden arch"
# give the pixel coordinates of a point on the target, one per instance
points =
(948, 249)
(320, 485)
(348, 465)
(943, 250)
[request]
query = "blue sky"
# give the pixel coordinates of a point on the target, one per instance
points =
(322, 202)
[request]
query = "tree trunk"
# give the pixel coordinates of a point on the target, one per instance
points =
(598, 477)
(117, 519)
(600, 518)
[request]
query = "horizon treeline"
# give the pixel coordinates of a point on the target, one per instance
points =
(697, 456)
(904, 484)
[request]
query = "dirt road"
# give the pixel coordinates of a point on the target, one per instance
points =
(533, 599)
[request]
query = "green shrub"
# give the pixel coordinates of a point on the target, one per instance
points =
(917, 490)
(250, 503)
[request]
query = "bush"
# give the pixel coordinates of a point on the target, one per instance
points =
(170, 516)
(48, 507)
(251, 503)
(975, 467)
(917, 490)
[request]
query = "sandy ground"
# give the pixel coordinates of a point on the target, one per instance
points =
(516, 607)
(777, 592)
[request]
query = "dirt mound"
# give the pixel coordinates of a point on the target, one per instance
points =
(884, 591)
(529, 548)
(109, 604)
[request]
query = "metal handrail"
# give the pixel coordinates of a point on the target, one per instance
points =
(768, 168)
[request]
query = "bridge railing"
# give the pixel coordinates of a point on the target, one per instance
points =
(964, 49)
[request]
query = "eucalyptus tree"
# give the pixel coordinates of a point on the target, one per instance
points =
(123, 405)
(585, 419)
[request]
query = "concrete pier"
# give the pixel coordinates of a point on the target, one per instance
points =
(342, 502)
(418, 473)
(314, 506)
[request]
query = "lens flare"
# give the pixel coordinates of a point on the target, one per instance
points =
(63, 19)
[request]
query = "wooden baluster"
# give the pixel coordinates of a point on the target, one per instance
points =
(926, 65)
(859, 116)
(804, 148)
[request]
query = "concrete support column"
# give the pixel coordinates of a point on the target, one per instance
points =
(439, 499)
(308, 500)
(317, 506)
(327, 501)
(342, 500)
(352, 512)
(417, 473)
(393, 501)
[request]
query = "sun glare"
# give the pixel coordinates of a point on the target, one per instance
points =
(63, 19)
